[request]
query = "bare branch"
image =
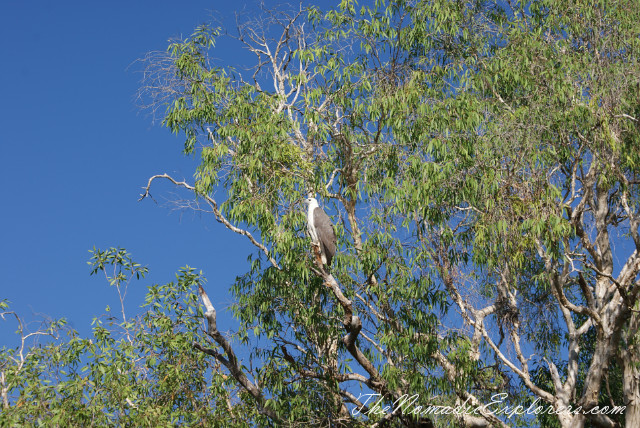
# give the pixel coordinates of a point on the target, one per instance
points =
(216, 212)
(626, 116)
(231, 362)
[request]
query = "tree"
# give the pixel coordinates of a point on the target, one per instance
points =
(133, 371)
(477, 156)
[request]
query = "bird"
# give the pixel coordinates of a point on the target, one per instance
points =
(321, 230)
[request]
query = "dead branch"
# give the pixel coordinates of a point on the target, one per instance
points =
(214, 206)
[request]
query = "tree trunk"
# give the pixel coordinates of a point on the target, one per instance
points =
(567, 420)
(631, 386)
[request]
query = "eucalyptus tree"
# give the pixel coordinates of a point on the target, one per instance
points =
(480, 163)
(134, 370)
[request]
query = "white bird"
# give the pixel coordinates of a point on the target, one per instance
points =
(321, 230)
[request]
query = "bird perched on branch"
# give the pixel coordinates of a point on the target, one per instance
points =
(321, 230)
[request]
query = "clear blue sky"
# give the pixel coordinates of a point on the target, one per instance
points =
(75, 151)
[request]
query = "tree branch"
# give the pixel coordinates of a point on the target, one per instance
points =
(231, 362)
(214, 205)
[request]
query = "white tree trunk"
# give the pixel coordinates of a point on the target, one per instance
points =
(631, 387)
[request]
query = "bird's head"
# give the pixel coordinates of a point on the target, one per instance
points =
(311, 202)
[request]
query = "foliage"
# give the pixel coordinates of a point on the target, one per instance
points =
(474, 154)
(141, 372)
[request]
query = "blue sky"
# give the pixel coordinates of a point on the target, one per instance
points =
(75, 152)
